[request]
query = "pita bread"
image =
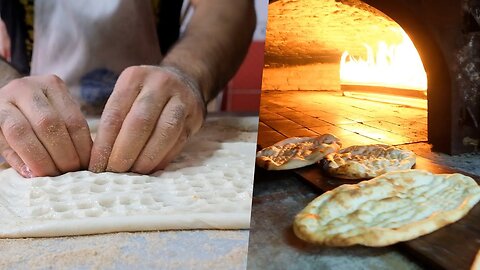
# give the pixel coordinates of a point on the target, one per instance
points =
(368, 161)
(394, 207)
(297, 152)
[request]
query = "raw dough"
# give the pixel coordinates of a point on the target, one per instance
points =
(297, 152)
(368, 161)
(209, 186)
(394, 207)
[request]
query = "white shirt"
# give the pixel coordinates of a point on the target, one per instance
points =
(88, 43)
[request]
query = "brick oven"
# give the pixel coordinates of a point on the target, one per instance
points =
(447, 36)
(322, 58)
(445, 33)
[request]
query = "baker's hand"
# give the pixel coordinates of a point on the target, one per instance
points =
(43, 131)
(147, 120)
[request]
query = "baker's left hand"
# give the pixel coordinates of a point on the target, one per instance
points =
(147, 120)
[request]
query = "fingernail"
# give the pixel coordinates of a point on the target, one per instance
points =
(26, 172)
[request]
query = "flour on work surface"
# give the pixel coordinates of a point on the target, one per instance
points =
(208, 186)
(368, 161)
(394, 207)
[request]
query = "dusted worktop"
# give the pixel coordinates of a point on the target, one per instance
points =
(199, 249)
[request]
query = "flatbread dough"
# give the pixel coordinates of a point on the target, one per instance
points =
(368, 161)
(297, 152)
(209, 186)
(394, 207)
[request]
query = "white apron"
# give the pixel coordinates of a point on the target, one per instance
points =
(88, 43)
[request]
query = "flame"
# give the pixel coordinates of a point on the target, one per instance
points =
(397, 66)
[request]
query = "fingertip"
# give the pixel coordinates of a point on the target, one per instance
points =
(141, 170)
(98, 159)
(14, 160)
(162, 165)
(96, 168)
(26, 172)
(116, 169)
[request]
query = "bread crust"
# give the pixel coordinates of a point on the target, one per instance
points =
(397, 206)
(297, 152)
(368, 161)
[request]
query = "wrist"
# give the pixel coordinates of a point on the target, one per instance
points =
(195, 65)
(191, 84)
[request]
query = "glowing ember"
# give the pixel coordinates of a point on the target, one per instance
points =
(397, 66)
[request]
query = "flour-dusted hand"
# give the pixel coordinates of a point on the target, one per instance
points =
(43, 132)
(147, 120)
(154, 109)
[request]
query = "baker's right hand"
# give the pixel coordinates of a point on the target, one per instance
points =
(43, 131)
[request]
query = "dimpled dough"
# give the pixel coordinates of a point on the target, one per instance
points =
(209, 186)
(394, 207)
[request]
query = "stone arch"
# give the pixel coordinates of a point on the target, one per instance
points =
(435, 29)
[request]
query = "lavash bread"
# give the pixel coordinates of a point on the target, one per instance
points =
(368, 161)
(397, 206)
(297, 152)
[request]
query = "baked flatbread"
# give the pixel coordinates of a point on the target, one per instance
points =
(368, 161)
(297, 152)
(397, 206)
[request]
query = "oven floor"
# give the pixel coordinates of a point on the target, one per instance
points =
(354, 121)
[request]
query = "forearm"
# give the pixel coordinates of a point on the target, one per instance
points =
(215, 43)
(7, 73)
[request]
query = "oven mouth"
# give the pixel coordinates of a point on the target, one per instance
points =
(301, 43)
(398, 96)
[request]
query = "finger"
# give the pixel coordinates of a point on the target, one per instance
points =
(166, 134)
(136, 130)
(118, 105)
(173, 153)
(75, 122)
(21, 138)
(13, 159)
(50, 129)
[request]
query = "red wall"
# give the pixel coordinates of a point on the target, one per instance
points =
(243, 91)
